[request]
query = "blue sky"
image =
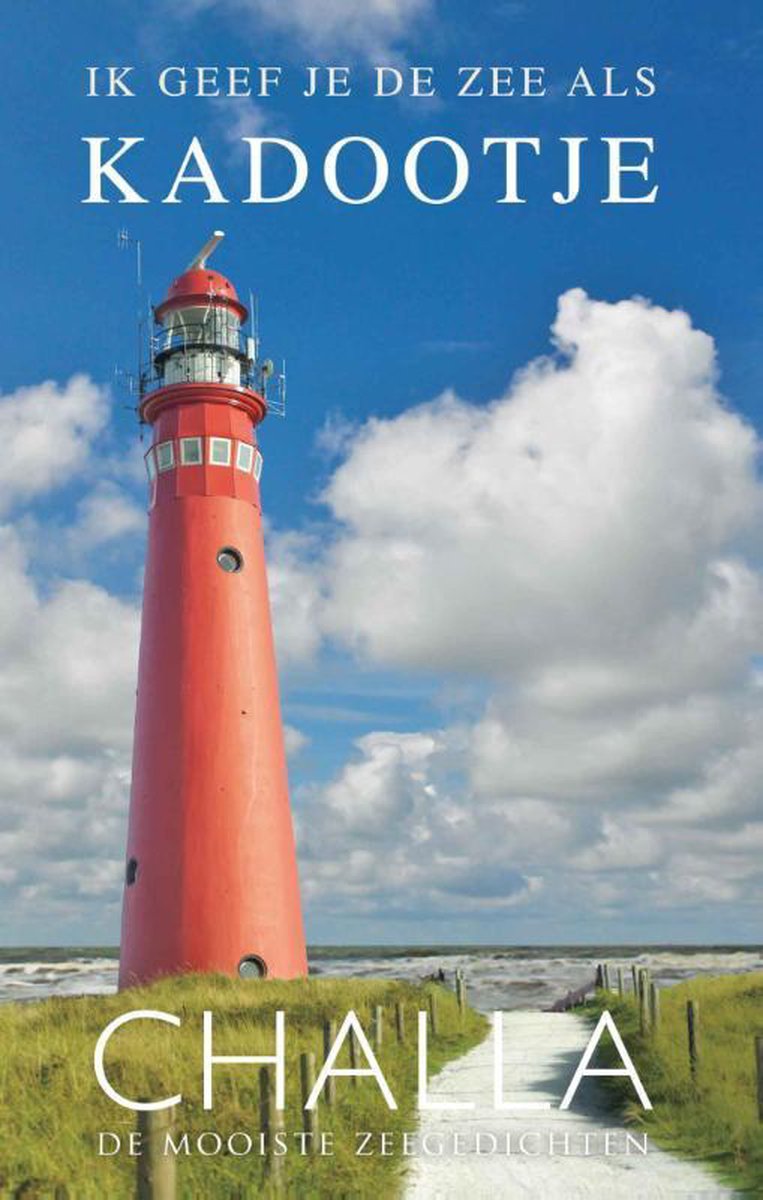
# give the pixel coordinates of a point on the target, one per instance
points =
(379, 310)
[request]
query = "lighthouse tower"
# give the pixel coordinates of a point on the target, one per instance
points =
(211, 877)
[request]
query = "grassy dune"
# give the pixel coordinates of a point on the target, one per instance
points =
(715, 1117)
(53, 1107)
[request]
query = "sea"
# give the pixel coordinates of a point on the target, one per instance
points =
(497, 977)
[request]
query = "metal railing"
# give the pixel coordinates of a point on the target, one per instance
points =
(206, 336)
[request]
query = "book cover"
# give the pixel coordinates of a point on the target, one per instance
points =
(382, 599)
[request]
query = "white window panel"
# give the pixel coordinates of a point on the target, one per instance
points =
(150, 465)
(219, 451)
(202, 367)
(244, 457)
(165, 456)
(191, 452)
(257, 466)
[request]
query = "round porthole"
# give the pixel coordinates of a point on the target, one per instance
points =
(252, 967)
(131, 871)
(230, 559)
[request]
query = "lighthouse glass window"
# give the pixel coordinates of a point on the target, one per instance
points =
(190, 451)
(257, 466)
(219, 451)
(165, 456)
(244, 457)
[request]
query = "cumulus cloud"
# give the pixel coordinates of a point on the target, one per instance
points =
(390, 834)
(106, 514)
(69, 652)
(588, 517)
(47, 431)
(66, 699)
(295, 595)
(588, 546)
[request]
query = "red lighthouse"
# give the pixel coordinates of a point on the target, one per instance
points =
(211, 877)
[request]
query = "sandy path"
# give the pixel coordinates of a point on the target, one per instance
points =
(540, 1053)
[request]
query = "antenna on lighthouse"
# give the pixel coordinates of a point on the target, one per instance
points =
(133, 380)
(207, 250)
(124, 241)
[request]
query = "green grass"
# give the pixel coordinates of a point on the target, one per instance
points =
(714, 1117)
(54, 1108)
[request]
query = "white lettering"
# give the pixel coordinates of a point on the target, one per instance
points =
(210, 1060)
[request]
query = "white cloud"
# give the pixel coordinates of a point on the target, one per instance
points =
(368, 27)
(67, 693)
(295, 740)
(47, 431)
(583, 521)
(69, 662)
(241, 117)
(106, 514)
(389, 834)
(383, 786)
(335, 436)
(294, 595)
(587, 545)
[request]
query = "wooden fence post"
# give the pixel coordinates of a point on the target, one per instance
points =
(605, 977)
(400, 1022)
(309, 1115)
(378, 1026)
(620, 981)
(433, 1013)
(461, 994)
(353, 1040)
(643, 1001)
(329, 1037)
(759, 1073)
(156, 1170)
(599, 976)
(654, 1006)
(271, 1123)
(692, 1024)
(634, 976)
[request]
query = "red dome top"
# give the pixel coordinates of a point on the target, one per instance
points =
(200, 285)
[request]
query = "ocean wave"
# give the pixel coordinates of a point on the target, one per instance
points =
(521, 978)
